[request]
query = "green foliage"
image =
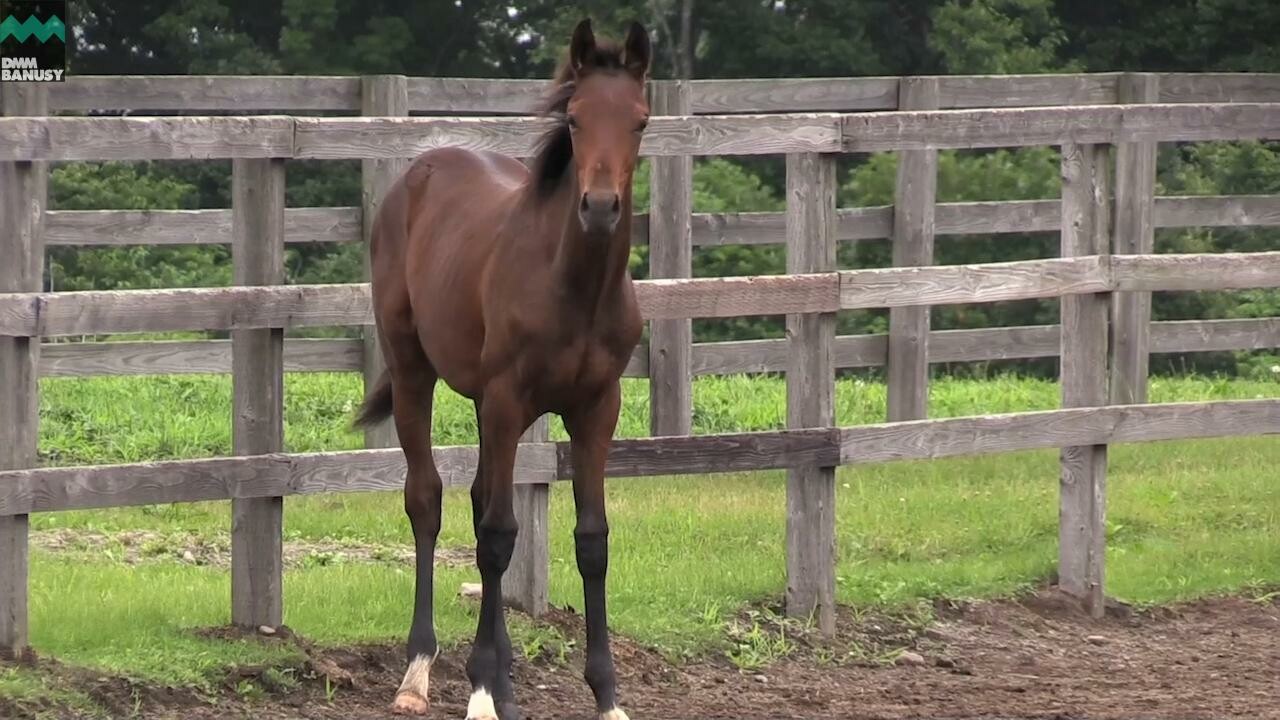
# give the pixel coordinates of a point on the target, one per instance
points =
(998, 36)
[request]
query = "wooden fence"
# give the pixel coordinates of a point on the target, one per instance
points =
(1104, 278)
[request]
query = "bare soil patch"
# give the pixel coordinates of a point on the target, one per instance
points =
(1037, 657)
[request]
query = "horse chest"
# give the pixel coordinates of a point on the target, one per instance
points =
(581, 366)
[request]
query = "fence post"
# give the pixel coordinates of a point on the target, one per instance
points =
(907, 364)
(257, 376)
(1083, 481)
(23, 198)
(1134, 235)
(524, 585)
(811, 491)
(381, 96)
(670, 256)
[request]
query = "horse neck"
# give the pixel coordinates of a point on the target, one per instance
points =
(591, 269)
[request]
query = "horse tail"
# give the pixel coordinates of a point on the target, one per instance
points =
(377, 404)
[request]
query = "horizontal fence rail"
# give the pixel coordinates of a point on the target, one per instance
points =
(79, 359)
(92, 228)
(499, 96)
(297, 306)
(205, 138)
(224, 478)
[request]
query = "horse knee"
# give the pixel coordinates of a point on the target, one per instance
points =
(495, 544)
(422, 497)
(592, 548)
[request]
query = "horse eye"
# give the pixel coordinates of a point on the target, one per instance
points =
(643, 124)
(573, 123)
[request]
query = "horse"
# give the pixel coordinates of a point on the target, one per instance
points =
(510, 282)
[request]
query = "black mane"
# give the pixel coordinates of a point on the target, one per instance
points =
(554, 150)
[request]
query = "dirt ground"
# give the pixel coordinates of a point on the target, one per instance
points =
(1034, 658)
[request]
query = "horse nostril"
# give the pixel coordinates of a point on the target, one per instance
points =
(617, 205)
(585, 205)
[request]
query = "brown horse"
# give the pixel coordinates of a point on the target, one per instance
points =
(511, 284)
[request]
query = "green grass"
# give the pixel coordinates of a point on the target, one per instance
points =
(1186, 519)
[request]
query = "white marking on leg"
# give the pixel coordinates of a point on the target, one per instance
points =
(481, 707)
(614, 714)
(413, 696)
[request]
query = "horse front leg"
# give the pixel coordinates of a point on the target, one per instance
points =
(590, 430)
(502, 419)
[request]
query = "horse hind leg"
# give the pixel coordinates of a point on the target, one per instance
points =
(413, 391)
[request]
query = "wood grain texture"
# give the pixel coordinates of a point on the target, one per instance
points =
(1135, 234)
(475, 95)
(1218, 211)
(670, 256)
(1018, 127)
(1192, 271)
(1078, 427)
(90, 228)
(988, 282)
(259, 476)
(145, 138)
(378, 138)
(993, 91)
(525, 585)
(257, 390)
(1219, 87)
(381, 96)
(1031, 341)
(732, 296)
(24, 194)
(811, 489)
(233, 308)
(915, 194)
(1083, 481)
(86, 487)
(236, 93)
(794, 95)
(171, 357)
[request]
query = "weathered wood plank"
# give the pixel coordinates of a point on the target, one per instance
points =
(186, 93)
(794, 95)
(364, 138)
(988, 282)
(257, 406)
(125, 311)
(1033, 341)
(88, 228)
(1219, 87)
(1135, 234)
(907, 369)
(1192, 271)
(1083, 483)
(67, 488)
(1078, 427)
(475, 95)
(86, 487)
(145, 138)
(24, 194)
(1218, 211)
(234, 308)
(385, 96)
(870, 132)
(526, 583)
(733, 296)
(811, 489)
(991, 91)
(175, 357)
(670, 256)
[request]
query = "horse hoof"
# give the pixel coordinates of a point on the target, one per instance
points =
(614, 714)
(481, 707)
(409, 702)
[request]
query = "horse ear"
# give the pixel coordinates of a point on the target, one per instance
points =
(637, 51)
(583, 46)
